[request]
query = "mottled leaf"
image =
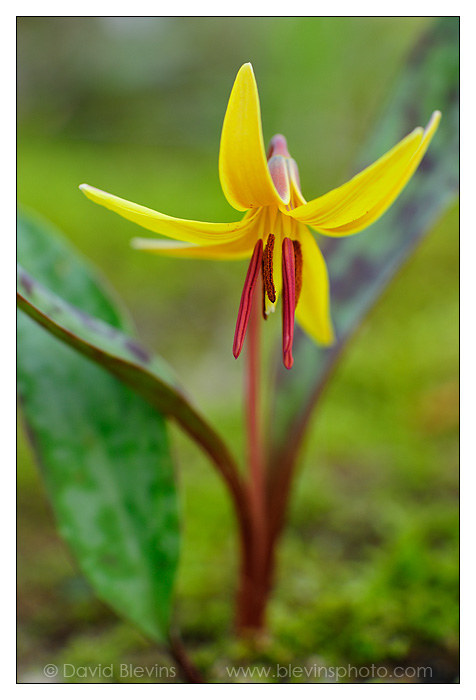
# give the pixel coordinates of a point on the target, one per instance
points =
(361, 266)
(103, 450)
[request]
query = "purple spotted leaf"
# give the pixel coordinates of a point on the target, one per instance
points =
(94, 402)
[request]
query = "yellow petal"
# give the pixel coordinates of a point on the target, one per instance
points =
(236, 250)
(312, 310)
(242, 165)
(355, 205)
(180, 229)
(296, 194)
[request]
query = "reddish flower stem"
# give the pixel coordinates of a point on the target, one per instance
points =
(254, 586)
(255, 442)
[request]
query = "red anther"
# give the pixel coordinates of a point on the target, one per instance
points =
(278, 147)
(247, 298)
(288, 359)
(289, 301)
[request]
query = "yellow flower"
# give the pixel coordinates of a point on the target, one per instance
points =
(274, 230)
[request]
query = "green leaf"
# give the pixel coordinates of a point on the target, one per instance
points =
(126, 358)
(361, 266)
(103, 450)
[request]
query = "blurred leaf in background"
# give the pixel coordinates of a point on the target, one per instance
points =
(361, 266)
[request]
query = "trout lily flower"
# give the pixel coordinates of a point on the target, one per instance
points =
(274, 231)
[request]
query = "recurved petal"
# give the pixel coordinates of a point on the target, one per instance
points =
(242, 165)
(313, 308)
(181, 229)
(236, 250)
(359, 202)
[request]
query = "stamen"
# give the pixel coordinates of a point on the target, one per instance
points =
(247, 298)
(297, 269)
(289, 301)
(288, 359)
(268, 281)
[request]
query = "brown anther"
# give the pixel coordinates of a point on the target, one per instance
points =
(297, 269)
(268, 269)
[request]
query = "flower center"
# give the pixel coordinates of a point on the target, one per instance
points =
(285, 176)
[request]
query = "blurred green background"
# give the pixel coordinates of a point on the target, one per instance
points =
(368, 567)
